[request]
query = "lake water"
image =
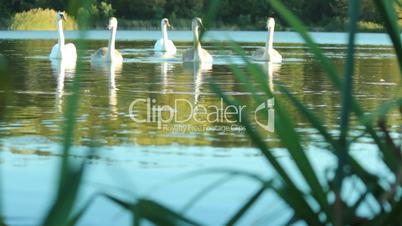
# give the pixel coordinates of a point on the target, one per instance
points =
(140, 159)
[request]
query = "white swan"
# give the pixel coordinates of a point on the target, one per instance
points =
(164, 44)
(197, 53)
(61, 50)
(268, 53)
(109, 54)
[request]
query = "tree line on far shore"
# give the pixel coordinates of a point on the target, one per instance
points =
(248, 14)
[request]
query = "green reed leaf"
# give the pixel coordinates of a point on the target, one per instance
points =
(70, 176)
(297, 197)
(154, 212)
(347, 93)
(288, 136)
(387, 12)
(248, 205)
(332, 74)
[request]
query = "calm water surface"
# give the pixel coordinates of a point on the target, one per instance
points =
(135, 157)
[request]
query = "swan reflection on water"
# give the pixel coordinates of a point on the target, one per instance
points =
(271, 70)
(165, 68)
(110, 70)
(61, 69)
(199, 70)
(165, 55)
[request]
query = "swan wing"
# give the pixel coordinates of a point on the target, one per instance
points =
(70, 50)
(205, 56)
(171, 47)
(54, 54)
(188, 55)
(118, 58)
(99, 54)
(158, 45)
(259, 54)
(276, 57)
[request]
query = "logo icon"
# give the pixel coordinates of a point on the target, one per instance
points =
(269, 106)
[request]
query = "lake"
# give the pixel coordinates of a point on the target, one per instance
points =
(146, 158)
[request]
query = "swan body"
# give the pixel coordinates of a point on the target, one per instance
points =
(268, 53)
(62, 50)
(164, 44)
(108, 54)
(197, 53)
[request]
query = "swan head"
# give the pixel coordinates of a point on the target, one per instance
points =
(165, 22)
(270, 23)
(112, 23)
(196, 23)
(60, 16)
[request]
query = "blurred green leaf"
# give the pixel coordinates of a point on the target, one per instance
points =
(286, 133)
(153, 212)
(347, 93)
(387, 11)
(248, 205)
(298, 198)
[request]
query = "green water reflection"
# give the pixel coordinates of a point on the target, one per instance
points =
(39, 89)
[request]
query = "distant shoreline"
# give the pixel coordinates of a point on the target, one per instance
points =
(324, 38)
(184, 24)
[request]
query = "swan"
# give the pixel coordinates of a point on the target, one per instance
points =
(197, 53)
(268, 53)
(164, 44)
(61, 50)
(109, 54)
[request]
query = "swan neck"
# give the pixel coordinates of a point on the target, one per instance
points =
(164, 33)
(111, 46)
(61, 34)
(197, 44)
(270, 40)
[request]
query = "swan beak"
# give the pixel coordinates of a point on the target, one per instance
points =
(63, 18)
(168, 24)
